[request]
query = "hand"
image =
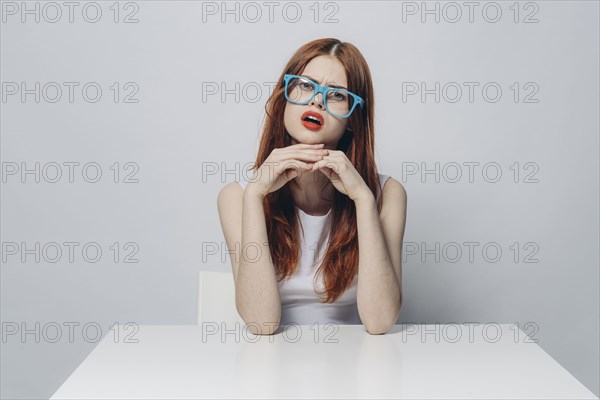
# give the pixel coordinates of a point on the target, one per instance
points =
(283, 165)
(342, 175)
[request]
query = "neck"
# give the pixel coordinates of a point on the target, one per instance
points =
(314, 194)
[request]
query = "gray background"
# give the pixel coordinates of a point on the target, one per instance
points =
(173, 136)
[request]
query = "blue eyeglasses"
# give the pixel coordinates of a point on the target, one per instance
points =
(338, 102)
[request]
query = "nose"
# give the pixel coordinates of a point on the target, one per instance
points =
(317, 101)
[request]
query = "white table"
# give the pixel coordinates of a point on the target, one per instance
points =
(337, 361)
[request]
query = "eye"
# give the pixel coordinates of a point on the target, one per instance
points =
(337, 96)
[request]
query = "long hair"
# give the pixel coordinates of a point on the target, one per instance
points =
(339, 266)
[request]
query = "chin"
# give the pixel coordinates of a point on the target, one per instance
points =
(307, 137)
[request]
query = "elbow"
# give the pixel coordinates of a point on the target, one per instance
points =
(380, 326)
(379, 329)
(259, 325)
(264, 322)
(383, 325)
(262, 328)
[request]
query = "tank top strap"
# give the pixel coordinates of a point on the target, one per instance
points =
(382, 179)
(242, 183)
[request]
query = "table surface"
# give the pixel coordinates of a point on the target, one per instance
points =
(325, 361)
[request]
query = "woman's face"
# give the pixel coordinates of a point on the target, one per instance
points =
(324, 70)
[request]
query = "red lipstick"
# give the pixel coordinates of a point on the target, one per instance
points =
(312, 120)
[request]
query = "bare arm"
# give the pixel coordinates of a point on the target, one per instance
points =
(242, 217)
(257, 294)
(379, 291)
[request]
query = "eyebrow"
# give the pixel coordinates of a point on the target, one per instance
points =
(334, 86)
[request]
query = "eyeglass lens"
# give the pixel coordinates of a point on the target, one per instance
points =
(301, 90)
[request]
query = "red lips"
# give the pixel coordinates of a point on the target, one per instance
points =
(310, 123)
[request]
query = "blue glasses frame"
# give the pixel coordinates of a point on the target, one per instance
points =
(323, 90)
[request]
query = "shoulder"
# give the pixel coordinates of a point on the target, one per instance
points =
(393, 211)
(391, 185)
(394, 193)
(230, 193)
(231, 187)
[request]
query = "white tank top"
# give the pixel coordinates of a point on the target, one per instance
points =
(299, 302)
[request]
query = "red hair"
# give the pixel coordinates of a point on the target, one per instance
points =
(340, 264)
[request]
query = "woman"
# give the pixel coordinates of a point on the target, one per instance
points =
(314, 219)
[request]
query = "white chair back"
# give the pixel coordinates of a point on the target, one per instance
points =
(216, 299)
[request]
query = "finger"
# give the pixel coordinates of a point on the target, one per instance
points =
(312, 154)
(307, 145)
(291, 165)
(295, 170)
(325, 170)
(290, 174)
(327, 161)
(303, 155)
